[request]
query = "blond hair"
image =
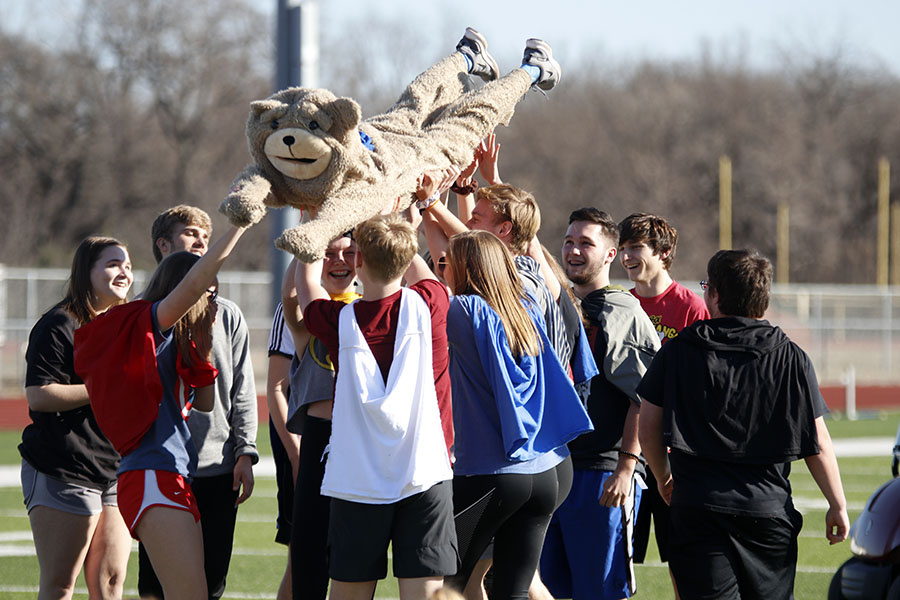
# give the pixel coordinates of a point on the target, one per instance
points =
(516, 206)
(481, 265)
(387, 244)
(166, 220)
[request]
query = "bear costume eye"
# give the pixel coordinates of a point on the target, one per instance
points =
(313, 125)
(274, 124)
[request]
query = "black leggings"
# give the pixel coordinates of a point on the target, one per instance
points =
(309, 531)
(513, 510)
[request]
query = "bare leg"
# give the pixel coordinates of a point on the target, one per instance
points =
(61, 541)
(352, 590)
(284, 589)
(537, 590)
(475, 586)
(174, 543)
(107, 557)
(419, 588)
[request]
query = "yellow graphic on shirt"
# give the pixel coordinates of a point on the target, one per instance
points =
(664, 331)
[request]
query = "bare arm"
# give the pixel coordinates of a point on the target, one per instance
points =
(466, 202)
(447, 221)
(824, 469)
(205, 398)
(197, 281)
(418, 271)
(650, 436)
(277, 382)
(308, 282)
(618, 485)
(435, 238)
(56, 397)
(293, 316)
(537, 253)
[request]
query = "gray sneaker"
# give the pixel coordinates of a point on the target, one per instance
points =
(474, 46)
(539, 54)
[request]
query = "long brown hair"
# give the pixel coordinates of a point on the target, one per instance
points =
(480, 265)
(197, 323)
(79, 291)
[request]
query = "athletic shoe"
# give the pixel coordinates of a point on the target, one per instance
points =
(539, 54)
(474, 46)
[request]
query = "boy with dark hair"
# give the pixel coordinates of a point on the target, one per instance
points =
(736, 401)
(646, 250)
(388, 471)
(587, 549)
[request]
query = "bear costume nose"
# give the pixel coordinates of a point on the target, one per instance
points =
(288, 140)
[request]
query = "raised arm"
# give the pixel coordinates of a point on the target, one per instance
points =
(197, 281)
(308, 282)
(824, 469)
(293, 315)
(536, 252)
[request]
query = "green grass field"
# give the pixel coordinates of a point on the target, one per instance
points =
(259, 562)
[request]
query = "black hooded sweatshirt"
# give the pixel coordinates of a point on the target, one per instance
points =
(739, 403)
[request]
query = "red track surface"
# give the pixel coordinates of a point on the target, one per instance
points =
(14, 412)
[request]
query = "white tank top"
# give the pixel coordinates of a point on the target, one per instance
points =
(386, 438)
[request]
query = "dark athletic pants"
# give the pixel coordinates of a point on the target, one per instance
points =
(733, 557)
(215, 499)
(309, 530)
(514, 512)
(652, 506)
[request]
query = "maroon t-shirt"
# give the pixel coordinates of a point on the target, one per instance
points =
(378, 321)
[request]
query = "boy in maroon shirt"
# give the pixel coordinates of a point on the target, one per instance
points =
(388, 470)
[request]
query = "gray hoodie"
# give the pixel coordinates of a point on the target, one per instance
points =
(229, 430)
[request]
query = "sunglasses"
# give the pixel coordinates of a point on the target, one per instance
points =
(212, 295)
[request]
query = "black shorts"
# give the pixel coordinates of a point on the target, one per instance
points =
(284, 480)
(719, 555)
(419, 529)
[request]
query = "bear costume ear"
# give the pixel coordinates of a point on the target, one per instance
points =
(347, 115)
(259, 107)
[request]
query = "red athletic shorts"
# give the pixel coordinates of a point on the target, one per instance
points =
(139, 490)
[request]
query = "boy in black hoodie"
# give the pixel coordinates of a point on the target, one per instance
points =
(736, 401)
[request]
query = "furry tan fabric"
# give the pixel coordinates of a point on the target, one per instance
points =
(314, 137)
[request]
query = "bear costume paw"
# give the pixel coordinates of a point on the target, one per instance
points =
(303, 243)
(245, 203)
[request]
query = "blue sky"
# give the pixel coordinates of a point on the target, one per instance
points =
(865, 31)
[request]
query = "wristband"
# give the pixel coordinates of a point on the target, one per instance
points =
(464, 190)
(630, 455)
(427, 203)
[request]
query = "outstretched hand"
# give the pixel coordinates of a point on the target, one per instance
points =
(488, 154)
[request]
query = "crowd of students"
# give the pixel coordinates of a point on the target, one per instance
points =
(479, 411)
